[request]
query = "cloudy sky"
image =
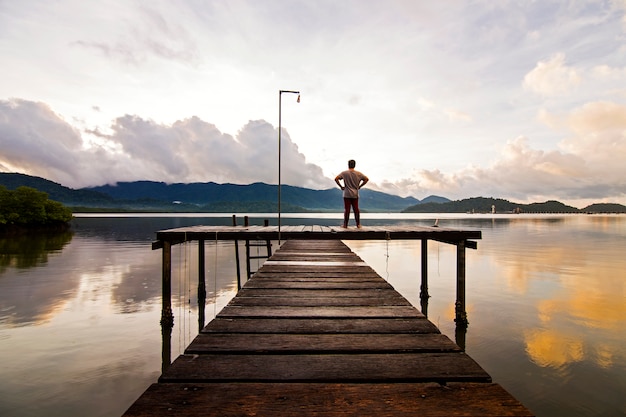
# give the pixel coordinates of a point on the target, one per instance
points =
(524, 100)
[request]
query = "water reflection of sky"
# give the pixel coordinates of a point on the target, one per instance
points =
(546, 303)
(572, 273)
(79, 324)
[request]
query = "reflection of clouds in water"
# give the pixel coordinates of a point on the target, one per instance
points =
(565, 276)
(28, 293)
(596, 304)
(574, 279)
(605, 354)
(586, 306)
(86, 271)
(543, 263)
(553, 348)
(118, 287)
(35, 297)
(137, 287)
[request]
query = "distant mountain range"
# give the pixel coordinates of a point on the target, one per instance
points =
(206, 197)
(487, 205)
(260, 197)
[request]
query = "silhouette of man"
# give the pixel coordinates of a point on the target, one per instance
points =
(353, 181)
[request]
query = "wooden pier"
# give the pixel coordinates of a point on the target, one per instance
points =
(462, 239)
(317, 332)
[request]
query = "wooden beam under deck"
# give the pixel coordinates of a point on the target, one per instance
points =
(315, 232)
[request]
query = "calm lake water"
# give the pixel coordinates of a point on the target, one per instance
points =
(546, 303)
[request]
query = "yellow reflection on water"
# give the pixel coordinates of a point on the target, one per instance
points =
(553, 348)
(573, 277)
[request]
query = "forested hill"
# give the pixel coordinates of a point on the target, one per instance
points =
(55, 191)
(210, 193)
(206, 197)
(260, 197)
(485, 205)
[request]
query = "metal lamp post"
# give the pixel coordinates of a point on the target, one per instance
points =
(280, 93)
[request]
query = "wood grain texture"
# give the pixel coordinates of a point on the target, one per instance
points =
(325, 336)
(328, 400)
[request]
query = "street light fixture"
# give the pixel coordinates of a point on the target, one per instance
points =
(280, 93)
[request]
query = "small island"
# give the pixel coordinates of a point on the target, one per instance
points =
(27, 209)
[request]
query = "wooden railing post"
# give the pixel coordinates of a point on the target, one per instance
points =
(246, 223)
(268, 243)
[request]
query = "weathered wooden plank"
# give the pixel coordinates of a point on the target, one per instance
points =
(398, 367)
(285, 274)
(320, 253)
(336, 268)
(271, 302)
(307, 277)
(237, 343)
(317, 246)
(283, 257)
(314, 244)
(307, 252)
(335, 264)
(310, 284)
(330, 250)
(317, 292)
(321, 325)
(324, 400)
(319, 312)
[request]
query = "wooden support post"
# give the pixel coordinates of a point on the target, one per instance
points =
(167, 317)
(460, 313)
(237, 256)
(460, 331)
(201, 284)
(424, 284)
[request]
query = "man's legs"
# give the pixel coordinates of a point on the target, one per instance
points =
(354, 203)
(346, 211)
(357, 212)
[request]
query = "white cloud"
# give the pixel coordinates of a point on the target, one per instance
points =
(424, 95)
(552, 77)
(37, 141)
(588, 166)
(148, 34)
(606, 72)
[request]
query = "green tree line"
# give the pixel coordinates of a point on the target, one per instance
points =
(28, 207)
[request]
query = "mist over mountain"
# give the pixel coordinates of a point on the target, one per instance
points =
(210, 193)
(261, 197)
(207, 197)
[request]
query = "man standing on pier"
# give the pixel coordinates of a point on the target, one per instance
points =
(353, 180)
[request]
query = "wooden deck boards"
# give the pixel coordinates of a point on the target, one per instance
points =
(376, 325)
(312, 335)
(326, 400)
